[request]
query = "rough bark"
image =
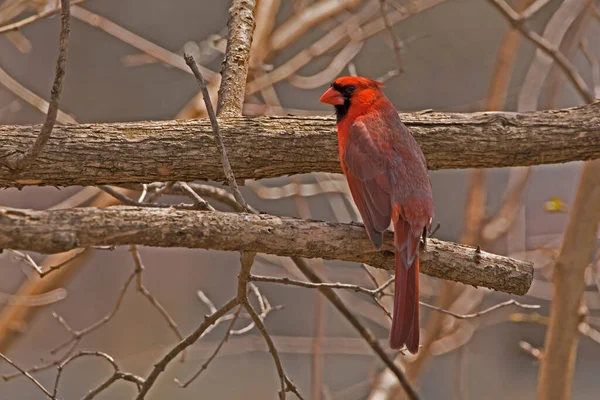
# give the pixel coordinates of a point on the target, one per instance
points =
(558, 363)
(94, 154)
(237, 55)
(61, 230)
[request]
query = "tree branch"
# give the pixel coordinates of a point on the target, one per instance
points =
(23, 161)
(560, 350)
(186, 150)
(237, 55)
(61, 230)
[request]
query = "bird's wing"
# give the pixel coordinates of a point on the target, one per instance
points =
(366, 171)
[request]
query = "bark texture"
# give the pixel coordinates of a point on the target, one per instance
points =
(237, 56)
(115, 153)
(61, 230)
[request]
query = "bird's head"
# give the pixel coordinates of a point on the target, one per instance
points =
(351, 90)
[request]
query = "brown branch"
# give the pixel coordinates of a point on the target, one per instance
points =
(563, 62)
(117, 374)
(28, 375)
(214, 354)
(15, 26)
(237, 56)
(136, 41)
(189, 60)
(160, 366)
(362, 330)
(33, 99)
(558, 364)
(184, 150)
(23, 161)
(61, 230)
(396, 44)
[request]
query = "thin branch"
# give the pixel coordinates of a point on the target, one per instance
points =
(189, 60)
(362, 330)
(136, 41)
(199, 202)
(117, 374)
(139, 269)
(23, 161)
(28, 376)
(214, 354)
(379, 290)
(15, 26)
(160, 366)
(563, 62)
(396, 44)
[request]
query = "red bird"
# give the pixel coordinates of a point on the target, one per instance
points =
(388, 179)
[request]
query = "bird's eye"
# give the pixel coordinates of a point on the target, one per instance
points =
(348, 90)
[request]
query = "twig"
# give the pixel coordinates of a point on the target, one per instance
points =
(362, 330)
(379, 290)
(563, 62)
(396, 44)
(534, 9)
(198, 201)
(139, 269)
(28, 376)
(189, 60)
(33, 99)
(24, 161)
(482, 312)
(15, 26)
(136, 41)
(214, 354)
(76, 336)
(585, 49)
(117, 374)
(160, 366)
(131, 202)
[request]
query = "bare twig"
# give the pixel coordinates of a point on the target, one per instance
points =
(139, 269)
(28, 376)
(215, 126)
(33, 99)
(23, 161)
(396, 44)
(15, 26)
(117, 374)
(198, 201)
(136, 41)
(362, 330)
(214, 354)
(160, 366)
(585, 49)
(563, 62)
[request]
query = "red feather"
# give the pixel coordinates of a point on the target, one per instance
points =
(388, 180)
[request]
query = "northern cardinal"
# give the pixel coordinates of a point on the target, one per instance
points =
(388, 179)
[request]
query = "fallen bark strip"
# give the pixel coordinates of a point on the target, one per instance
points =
(54, 231)
(117, 153)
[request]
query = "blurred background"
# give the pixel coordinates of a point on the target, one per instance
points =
(456, 55)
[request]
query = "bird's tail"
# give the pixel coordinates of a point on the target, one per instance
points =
(405, 318)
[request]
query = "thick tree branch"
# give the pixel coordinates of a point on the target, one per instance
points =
(60, 230)
(558, 365)
(94, 154)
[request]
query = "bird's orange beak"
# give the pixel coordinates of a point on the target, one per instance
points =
(333, 97)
